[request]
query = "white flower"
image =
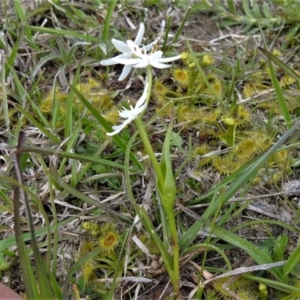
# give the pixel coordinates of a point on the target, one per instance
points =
(142, 59)
(130, 114)
(126, 52)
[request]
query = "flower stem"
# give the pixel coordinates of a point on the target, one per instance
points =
(175, 277)
(150, 81)
(160, 179)
(175, 248)
(143, 134)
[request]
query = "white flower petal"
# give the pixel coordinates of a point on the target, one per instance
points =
(168, 59)
(158, 65)
(118, 128)
(125, 72)
(142, 99)
(135, 49)
(108, 62)
(121, 46)
(138, 57)
(114, 60)
(142, 64)
(144, 59)
(133, 112)
(157, 54)
(127, 61)
(148, 47)
(140, 109)
(140, 34)
(126, 113)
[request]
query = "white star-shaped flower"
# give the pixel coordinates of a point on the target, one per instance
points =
(126, 52)
(142, 59)
(130, 114)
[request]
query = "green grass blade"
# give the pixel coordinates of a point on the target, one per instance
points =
(110, 11)
(41, 270)
(5, 107)
(287, 288)
(13, 54)
(52, 56)
(248, 11)
(282, 104)
(70, 145)
(87, 199)
(11, 241)
(258, 255)
(180, 29)
(280, 64)
(263, 222)
(167, 259)
(292, 261)
(231, 7)
(69, 110)
(68, 33)
(69, 155)
(27, 271)
(45, 131)
(256, 10)
(87, 166)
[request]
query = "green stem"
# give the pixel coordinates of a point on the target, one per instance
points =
(175, 247)
(174, 269)
(105, 30)
(150, 80)
(149, 150)
(143, 134)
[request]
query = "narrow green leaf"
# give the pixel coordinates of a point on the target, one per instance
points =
(67, 33)
(13, 54)
(45, 131)
(280, 64)
(280, 245)
(143, 214)
(292, 261)
(20, 10)
(27, 270)
(266, 9)
(181, 27)
(69, 155)
(108, 17)
(248, 12)
(11, 241)
(287, 288)
(167, 188)
(256, 9)
(258, 255)
(87, 199)
(68, 122)
(52, 56)
(42, 272)
(280, 97)
(167, 259)
(231, 6)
